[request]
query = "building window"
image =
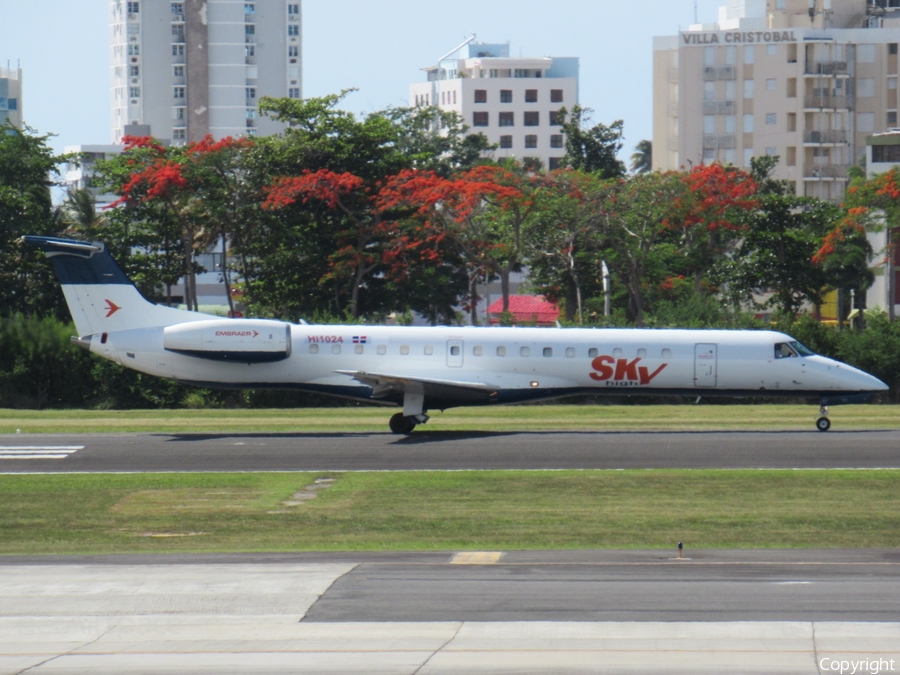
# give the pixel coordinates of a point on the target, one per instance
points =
(251, 113)
(293, 30)
(134, 92)
(177, 50)
(771, 152)
(730, 55)
(771, 118)
(865, 87)
(771, 84)
(178, 134)
(885, 153)
(506, 96)
(134, 50)
(249, 8)
(178, 71)
(506, 119)
(556, 141)
(178, 92)
(479, 119)
(865, 121)
(134, 7)
(555, 118)
(294, 92)
(892, 118)
(729, 124)
(293, 10)
(556, 96)
(134, 71)
(709, 56)
(454, 97)
(177, 8)
(748, 155)
(748, 54)
(178, 113)
(748, 88)
(531, 96)
(532, 119)
(709, 91)
(531, 141)
(709, 124)
(748, 123)
(506, 142)
(865, 53)
(481, 96)
(178, 32)
(293, 52)
(250, 92)
(772, 50)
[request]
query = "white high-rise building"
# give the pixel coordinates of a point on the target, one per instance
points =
(183, 69)
(513, 101)
(11, 96)
(807, 80)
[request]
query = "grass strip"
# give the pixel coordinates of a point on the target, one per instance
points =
(506, 418)
(480, 510)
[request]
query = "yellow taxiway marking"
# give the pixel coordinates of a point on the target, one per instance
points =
(476, 558)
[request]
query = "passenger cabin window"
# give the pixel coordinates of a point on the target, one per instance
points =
(525, 351)
(617, 352)
(314, 349)
(593, 352)
(642, 353)
(570, 352)
(358, 349)
(784, 351)
(666, 353)
(454, 350)
(477, 351)
(501, 351)
(404, 349)
(548, 351)
(429, 350)
(382, 349)
(335, 349)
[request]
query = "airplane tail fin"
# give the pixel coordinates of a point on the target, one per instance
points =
(100, 296)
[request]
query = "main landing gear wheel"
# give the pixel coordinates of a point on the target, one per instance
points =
(402, 425)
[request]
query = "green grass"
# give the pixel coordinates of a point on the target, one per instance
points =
(507, 418)
(482, 510)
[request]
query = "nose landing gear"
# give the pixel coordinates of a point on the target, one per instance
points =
(823, 423)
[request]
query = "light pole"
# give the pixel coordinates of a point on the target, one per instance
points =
(605, 272)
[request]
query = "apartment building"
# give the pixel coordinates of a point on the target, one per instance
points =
(183, 69)
(11, 96)
(513, 101)
(807, 80)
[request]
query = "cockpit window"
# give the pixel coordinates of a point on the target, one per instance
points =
(801, 350)
(784, 351)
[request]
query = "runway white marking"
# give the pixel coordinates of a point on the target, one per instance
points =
(38, 451)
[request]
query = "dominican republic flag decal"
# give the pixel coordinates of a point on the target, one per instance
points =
(359, 339)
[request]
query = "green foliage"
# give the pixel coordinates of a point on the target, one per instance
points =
(642, 158)
(592, 149)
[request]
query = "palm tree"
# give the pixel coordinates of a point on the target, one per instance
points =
(642, 159)
(79, 214)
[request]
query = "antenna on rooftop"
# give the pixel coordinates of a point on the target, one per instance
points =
(696, 19)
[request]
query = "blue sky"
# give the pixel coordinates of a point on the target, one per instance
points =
(376, 46)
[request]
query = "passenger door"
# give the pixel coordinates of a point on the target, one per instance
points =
(705, 364)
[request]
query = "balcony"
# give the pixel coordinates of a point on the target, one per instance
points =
(718, 107)
(725, 142)
(825, 137)
(718, 73)
(827, 68)
(828, 172)
(826, 102)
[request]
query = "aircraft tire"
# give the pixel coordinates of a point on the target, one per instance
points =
(823, 424)
(402, 425)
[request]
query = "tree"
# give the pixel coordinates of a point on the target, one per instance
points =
(630, 215)
(591, 149)
(642, 158)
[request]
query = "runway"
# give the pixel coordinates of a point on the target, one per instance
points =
(521, 612)
(438, 451)
(722, 612)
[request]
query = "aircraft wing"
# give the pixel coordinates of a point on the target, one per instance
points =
(395, 386)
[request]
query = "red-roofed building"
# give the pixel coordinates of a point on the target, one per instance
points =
(526, 309)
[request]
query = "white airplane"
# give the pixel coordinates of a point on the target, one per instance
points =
(433, 368)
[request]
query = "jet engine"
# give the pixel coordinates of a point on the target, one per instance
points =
(239, 340)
